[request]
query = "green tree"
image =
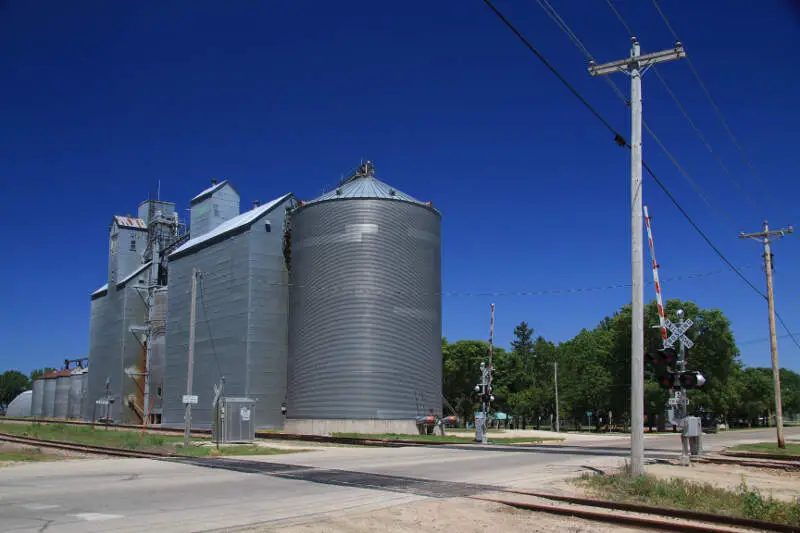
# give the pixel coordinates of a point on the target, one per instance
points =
(12, 382)
(461, 373)
(41, 372)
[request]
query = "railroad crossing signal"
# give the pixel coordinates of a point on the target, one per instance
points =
(678, 333)
(691, 380)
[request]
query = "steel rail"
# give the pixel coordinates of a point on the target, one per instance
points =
(616, 519)
(84, 448)
(676, 513)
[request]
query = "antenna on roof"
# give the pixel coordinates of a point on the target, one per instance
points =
(159, 190)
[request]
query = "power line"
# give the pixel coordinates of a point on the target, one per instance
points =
(720, 116)
(691, 122)
(620, 140)
(562, 24)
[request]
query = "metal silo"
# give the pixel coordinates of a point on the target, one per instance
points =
(49, 398)
(38, 398)
(76, 393)
(365, 315)
(62, 394)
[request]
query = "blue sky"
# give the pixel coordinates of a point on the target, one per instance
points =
(101, 100)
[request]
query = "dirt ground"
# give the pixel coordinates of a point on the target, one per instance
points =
(459, 514)
(48, 454)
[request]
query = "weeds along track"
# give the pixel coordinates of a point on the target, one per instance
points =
(83, 448)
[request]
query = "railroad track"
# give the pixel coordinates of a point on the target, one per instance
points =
(628, 514)
(83, 448)
(689, 521)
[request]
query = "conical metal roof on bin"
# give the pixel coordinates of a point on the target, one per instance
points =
(364, 185)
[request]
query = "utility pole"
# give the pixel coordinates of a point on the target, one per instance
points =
(765, 237)
(187, 399)
(555, 378)
(635, 66)
(685, 458)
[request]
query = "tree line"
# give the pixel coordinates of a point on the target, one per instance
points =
(594, 374)
(14, 382)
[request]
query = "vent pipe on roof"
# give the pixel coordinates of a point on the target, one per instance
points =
(256, 203)
(213, 181)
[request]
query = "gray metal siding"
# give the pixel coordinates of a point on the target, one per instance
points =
(21, 406)
(365, 315)
(268, 324)
(76, 394)
(38, 398)
(49, 402)
(104, 331)
(209, 213)
(61, 408)
(220, 332)
(125, 261)
(241, 317)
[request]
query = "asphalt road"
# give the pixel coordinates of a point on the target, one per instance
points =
(146, 495)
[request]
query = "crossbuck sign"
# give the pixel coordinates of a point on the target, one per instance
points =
(678, 333)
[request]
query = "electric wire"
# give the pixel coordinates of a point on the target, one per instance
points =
(562, 24)
(720, 116)
(620, 140)
(691, 122)
(319, 291)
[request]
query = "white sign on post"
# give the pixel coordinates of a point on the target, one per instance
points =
(190, 398)
(244, 413)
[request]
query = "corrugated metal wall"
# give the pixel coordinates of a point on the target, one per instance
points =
(76, 394)
(104, 331)
(158, 351)
(115, 353)
(241, 329)
(21, 406)
(209, 213)
(49, 401)
(365, 315)
(61, 408)
(38, 398)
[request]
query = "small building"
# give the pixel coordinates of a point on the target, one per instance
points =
(241, 330)
(213, 206)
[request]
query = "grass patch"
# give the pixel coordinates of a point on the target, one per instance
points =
(454, 439)
(32, 455)
(792, 448)
(130, 440)
(743, 502)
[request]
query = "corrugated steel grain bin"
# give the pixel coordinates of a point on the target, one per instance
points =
(49, 401)
(365, 330)
(242, 322)
(61, 408)
(38, 398)
(76, 381)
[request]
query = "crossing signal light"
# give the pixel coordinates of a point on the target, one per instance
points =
(666, 381)
(662, 359)
(691, 380)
